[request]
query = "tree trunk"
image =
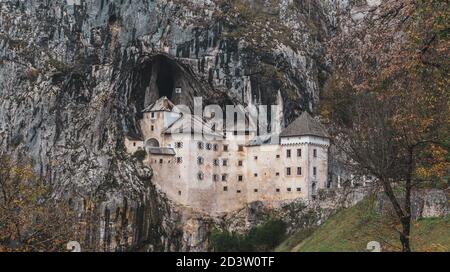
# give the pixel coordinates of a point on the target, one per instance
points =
(405, 234)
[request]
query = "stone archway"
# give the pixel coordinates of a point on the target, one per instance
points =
(152, 142)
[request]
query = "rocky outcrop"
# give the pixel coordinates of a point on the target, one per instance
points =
(425, 203)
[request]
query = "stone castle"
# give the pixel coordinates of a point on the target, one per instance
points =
(214, 171)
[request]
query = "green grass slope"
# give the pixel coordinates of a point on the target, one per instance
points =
(351, 229)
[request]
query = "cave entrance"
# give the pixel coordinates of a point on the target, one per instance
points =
(165, 79)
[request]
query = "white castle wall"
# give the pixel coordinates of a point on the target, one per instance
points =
(181, 183)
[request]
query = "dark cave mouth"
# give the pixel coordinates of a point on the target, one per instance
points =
(166, 76)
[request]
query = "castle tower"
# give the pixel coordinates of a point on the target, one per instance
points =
(305, 143)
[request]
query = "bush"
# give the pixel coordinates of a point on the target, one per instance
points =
(261, 238)
(140, 154)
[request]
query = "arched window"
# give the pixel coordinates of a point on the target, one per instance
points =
(152, 142)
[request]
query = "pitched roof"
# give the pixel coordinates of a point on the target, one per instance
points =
(188, 123)
(305, 125)
(162, 104)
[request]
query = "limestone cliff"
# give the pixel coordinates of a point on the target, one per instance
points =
(75, 75)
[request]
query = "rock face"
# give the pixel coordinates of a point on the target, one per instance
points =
(75, 75)
(425, 203)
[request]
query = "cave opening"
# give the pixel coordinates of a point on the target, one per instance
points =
(165, 80)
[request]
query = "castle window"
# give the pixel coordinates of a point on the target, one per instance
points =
(215, 177)
(256, 157)
(225, 148)
(256, 190)
(277, 190)
(153, 128)
(238, 191)
(200, 176)
(240, 148)
(200, 160)
(240, 163)
(256, 175)
(225, 188)
(134, 143)
(152, 115)
(288, 153)
(299, 152)
(178, 144)
(277, 174)
(200, 145)
(315, 153)
(299, 189)
(161, 161)
(216, 162)
(288, 171)
(208, 146)
(278, 156)
(224, 177)
(314, 171)
(179, 160)
(299, 171)
(289, 189)
(224, 162)
(240, 178)
(215, 147)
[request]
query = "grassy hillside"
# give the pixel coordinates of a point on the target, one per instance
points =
(351, 229)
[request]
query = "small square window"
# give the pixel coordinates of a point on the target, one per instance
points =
(225, 188)
(299, 189)
(289, 189)
(216, 162)
(225, 148)
(179, 159)
(200, 145)
(256, 190)
(240, 148)
(256, 175)
(277, 174)
(240, 163)
(256, 157)
(238, 191)
(240, 178)
(161, 161)
(224, 162)
(179, 192)
(277, 190)
(278, 156)
(224, 177)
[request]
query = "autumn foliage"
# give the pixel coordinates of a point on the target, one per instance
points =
(388, 100)
(31, 218)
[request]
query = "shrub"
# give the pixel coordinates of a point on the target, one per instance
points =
(261, 238)
(140, 154)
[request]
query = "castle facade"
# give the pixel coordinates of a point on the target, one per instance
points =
(216, 171)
